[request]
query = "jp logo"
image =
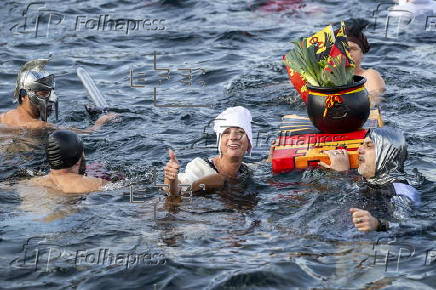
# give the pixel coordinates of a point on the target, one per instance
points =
(39, 254)
(418, 18)
(391, 253)
(39, 20)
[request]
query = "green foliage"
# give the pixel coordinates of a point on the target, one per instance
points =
(337, 74)
(331, 72)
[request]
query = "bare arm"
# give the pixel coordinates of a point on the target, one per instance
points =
(85, 184)
(98, 124)
(173, 187)
(375, 86)
(171, 171)
(402, 210)
(16, 122)
(210, 182)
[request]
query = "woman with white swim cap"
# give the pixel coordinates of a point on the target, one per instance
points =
(234, 136)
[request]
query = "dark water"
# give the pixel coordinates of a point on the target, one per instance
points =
(288, 230)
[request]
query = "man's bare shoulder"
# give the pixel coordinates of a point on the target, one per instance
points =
(70, 184)
(13, 119)
(82, 184)
(375, 83)
(43, 181)
(40, 180)
(4, 116)
(94, 181)
(371, 73)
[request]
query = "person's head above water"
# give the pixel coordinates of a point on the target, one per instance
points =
(65, 151)
(354, 31)
(382, 155)
(35, 88)
(233, 130)
(357, 42)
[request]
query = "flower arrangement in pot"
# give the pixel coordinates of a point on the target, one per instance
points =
(321, 69)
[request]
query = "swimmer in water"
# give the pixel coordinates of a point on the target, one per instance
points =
(234, 136)
(381, 163)
(36, 99)
(358, 46)
(67, 165)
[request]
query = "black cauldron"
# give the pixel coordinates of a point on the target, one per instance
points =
(339, 109)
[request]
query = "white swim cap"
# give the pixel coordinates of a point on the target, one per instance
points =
(234, 117)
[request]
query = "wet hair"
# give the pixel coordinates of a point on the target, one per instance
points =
(64, 149)
(354, 31)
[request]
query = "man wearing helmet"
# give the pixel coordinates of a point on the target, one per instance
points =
(37, 99)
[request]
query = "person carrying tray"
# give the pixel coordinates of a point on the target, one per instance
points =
(381, 164)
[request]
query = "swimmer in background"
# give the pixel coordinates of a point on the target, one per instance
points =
(65, 155)
(358, 46)
(234, 135)
(37, 100)
(381, 163)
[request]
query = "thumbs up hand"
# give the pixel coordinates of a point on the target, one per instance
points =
(172, 168)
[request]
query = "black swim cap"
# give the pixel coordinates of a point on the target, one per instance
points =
(64, 149)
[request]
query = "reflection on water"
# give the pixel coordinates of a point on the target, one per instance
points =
(45, 203)
(21, 151)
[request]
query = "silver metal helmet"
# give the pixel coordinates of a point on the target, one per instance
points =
(31, 79)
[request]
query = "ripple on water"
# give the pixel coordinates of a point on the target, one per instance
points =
(289, 229)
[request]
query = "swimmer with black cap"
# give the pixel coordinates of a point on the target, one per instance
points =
(381, 164)
(358, 45)
(65, 155)
(35, 94)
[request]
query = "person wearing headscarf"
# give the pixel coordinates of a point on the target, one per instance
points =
(358, 45)
(234, 139)
(381, 163)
